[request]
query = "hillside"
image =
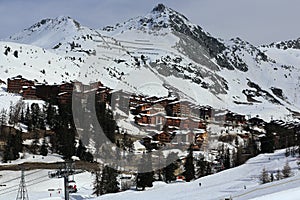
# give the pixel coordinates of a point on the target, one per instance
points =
(218, 186)
(173, 53)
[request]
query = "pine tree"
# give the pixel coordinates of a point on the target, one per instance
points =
(227, 163)
(267, 142)
(35, 116)
(272, 177)
(80, 152)
(27, 118)
(278, 175)
(189, 167)
(3, 119)
(13, 147)
(109, 180)
(239, 158)
(17, 143)
(66, 139)
(287, 152)
(105, 181)
(10, 114)
(97, 187)
(236, 141)
(50, 115)
(208, 170)
(35, 142)
(44, 149)
(22, 117)
(7, 154)
(172, 165)
(286, 171)
(201, 167)
(145, 172)
(264, 177)
(15, 112)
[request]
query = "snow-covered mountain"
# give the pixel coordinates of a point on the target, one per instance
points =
(49, 33)
(158, 53)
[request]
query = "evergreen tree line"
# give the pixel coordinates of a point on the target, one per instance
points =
(266, 177)
(14, 145)
(105, 181)
(57, 118)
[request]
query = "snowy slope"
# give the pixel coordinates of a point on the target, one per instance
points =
(49, 32)
(224, 184)
(35, 63)
(217, 186)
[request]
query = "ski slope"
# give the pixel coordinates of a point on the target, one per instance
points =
(228, 183)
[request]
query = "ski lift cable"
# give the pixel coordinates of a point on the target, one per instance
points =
(4, 191)
(14, 190)
(14, 186)
(28, 181)
(20, 177)
(7, 188)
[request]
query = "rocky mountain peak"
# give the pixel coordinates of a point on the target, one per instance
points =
(51, 23)
(159, 8)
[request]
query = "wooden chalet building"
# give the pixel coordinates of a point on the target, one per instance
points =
(140, 108)
(184, 137)
(191, 123)
(65, 93)
(66, 87)
(184, 123)
(151, 117)
(29, 92)
(180, 108)
(206, 112)
(164, 102)
(103, 94)
(136, 100)
(163, 137)
(64, 98)
(235, 119)
(47, 92)
(16, 84)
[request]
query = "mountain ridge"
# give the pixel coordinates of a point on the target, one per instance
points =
(167, 47)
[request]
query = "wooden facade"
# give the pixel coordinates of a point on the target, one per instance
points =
(66, 87)
(163, 137)
(47, 92)
(103, 94)
(29, 92)
(15, 84)
(64, 98)
(235, 119)
(183, 137)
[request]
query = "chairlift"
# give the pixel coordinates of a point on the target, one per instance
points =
(52, 174)
(72, 188)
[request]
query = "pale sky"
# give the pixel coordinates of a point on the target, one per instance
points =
(257, 21)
